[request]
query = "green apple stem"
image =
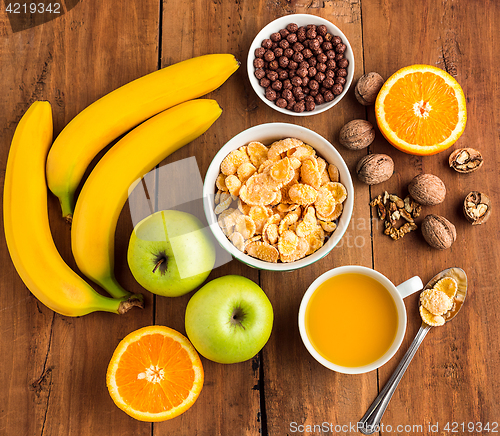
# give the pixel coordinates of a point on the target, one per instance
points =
(158, 264)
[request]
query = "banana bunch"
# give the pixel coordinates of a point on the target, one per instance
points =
(31, 167)
(121, 110)
(27, 230)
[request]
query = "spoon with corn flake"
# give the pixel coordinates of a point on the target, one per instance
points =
(440, 301)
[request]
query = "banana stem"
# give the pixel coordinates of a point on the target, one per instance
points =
(113, 288)
(66, 202)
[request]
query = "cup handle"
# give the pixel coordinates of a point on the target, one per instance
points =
(410, 286)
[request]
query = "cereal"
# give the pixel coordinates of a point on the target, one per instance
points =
(259, 215)
(233, 184)
(263, 251)
(325, 204)
(435, 301)
(257, 153)
(217, 197)
(308, 223)
(287, 243)
(332, 217)
(310, 174)
(245, 226)
(315, 239)
(291, 218)
(282, 146)
(328, 226)
(448, 285)
(430, 319)
(245, 170)
(302, 194)
(278, 203)
(232, 161)
(333, 172)
(300, 251)
(224, 203)
(237, 240)
(220, 182)
(282, 171)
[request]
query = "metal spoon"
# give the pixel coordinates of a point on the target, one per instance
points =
(370, 422)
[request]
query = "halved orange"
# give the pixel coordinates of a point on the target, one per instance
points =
(155, 374)
(421, 110)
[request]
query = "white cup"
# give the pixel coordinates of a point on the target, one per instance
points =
(397, 292)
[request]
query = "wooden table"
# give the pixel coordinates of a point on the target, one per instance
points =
(52, 372)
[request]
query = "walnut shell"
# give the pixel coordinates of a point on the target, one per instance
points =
(427, 189)
(367, 88)
(375, 168)
(357, 134)
(438, 232)
(477, 207)
(465, 160)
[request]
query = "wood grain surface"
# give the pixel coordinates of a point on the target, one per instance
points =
(52, 368)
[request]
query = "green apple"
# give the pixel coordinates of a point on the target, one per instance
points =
(170, 253)
(229, 319)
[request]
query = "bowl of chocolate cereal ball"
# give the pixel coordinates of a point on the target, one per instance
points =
(300, 64)
(278, 197)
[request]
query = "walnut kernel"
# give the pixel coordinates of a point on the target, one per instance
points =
(465, 160)
(477, 207)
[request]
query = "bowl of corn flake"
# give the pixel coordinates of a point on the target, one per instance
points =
(278, 197)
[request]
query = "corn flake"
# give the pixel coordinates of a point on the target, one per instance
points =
(232, 161)
(430, 319)
(245, 170)
(237, 240)
(328, 226)
(263, 251)
(333, 172)
(282, 171)
(259, 215)
(300, 251)
(309, 173)
(233, 184)
(448, 285)
(224, 203)
(220, 182)
(257, 153)
(287, 242)
(337, 190)
(435, 301)
(308, 223)
(332, 217)
(217, 196)
(315, 239)
(282, 146)
(325, 204)
(302, 194)
(302, 152)
(245, 226)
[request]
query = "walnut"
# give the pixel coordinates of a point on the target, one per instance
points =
(367, 88)
(427, 189)
(357, 134)
(466, 160)
(477, 207)
(375, 168)
(438, 232)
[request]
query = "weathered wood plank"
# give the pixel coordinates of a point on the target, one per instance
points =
(459, 361)
(54, 367)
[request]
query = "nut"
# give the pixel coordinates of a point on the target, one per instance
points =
(438, 232)
(477, 207)
(427, 189)
(357, 134)
(466, 160)
(375, 168)
(367, 88)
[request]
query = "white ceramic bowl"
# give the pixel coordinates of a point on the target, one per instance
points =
(267, 133)
(300, 20)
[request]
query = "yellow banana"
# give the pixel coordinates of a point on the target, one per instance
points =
(105, 191)
(26, 223)
(119, 111)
